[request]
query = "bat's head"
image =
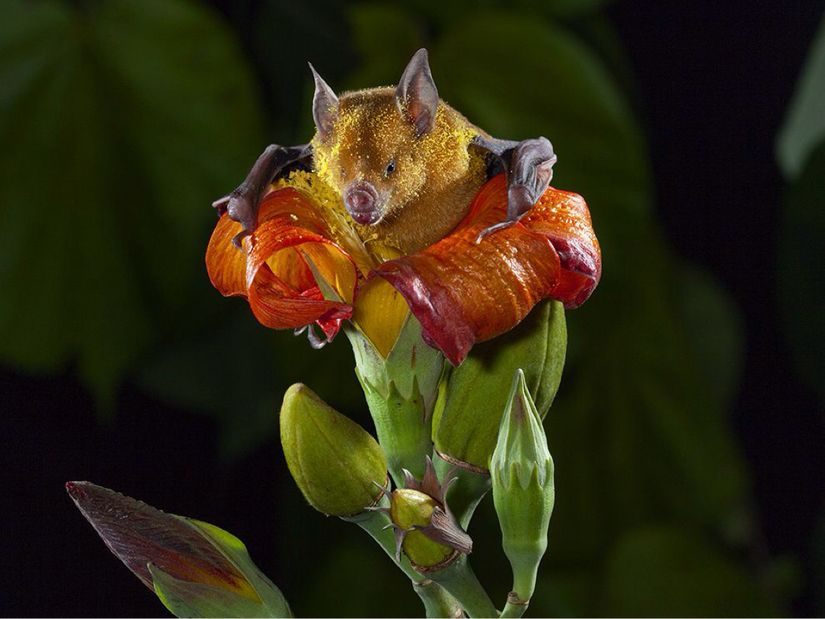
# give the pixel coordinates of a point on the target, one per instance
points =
(378, 148)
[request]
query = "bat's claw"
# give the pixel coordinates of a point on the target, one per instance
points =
(314, 339)
(237, 240)
(221, 203)
(494, 228)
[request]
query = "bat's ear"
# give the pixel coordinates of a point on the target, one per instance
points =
(416, 95)
(324, 105)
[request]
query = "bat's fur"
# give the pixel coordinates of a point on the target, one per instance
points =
(435, 178)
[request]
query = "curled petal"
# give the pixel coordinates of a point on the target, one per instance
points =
(463, 292)
(289, 270)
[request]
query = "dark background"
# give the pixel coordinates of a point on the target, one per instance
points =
(708, 84)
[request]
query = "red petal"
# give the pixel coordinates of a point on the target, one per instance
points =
(273, 271)
(463, 292)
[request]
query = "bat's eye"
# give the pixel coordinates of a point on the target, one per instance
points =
(390, 168)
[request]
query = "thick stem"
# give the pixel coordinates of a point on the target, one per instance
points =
(404, 431)
(461, 582)
(400, 392)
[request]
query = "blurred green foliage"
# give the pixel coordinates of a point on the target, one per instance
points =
(121, 124)
(801, 154)
(124, 120)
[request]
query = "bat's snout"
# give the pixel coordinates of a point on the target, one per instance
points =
(362, 203)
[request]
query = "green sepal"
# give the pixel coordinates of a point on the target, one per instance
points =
(412, 366)
(338, 466)
(401, 392)
(521, 470)
(235, 550)
(189, 599)
(468, 410)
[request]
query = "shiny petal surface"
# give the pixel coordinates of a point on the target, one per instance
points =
(463, 292)
(380, 314)
(279, 267)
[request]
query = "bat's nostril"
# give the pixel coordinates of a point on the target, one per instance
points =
(360, 200)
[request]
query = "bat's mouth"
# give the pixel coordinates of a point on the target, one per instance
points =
(363, 203)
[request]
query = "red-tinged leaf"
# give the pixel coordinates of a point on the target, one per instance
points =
(139, 534)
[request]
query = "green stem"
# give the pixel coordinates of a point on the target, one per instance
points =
(460, 581)
(437, 602)
(514, 606)
(404, 431)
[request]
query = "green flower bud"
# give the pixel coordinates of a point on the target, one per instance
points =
(523, 492)
(468, 410)
(338, 466)
(409, 510)
(425, 528)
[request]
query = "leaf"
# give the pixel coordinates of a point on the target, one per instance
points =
(119, 127)
(672, 572)
(714, 330)
(800, 274)
(804, 125)
(188, 599)
(195, 568)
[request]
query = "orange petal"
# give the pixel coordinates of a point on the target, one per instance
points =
(274, 271)
(225, 263)
(463, 292)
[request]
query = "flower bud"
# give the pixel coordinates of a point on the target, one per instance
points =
(425, 528)
(523, 492)
(468, 411)
(338, 466)
(411, 510)
(195, 568)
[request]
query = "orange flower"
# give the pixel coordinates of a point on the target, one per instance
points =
(306, 264)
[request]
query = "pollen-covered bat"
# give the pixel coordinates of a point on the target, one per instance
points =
(405, 163)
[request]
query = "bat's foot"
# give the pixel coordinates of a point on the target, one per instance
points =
(529, 168)
(242, 206)
(315, 341)
(221, 203)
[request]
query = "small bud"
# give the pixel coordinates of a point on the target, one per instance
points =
(411, 510)
(468, 411)
(337, 464)
(521, 469)
(425, 528)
